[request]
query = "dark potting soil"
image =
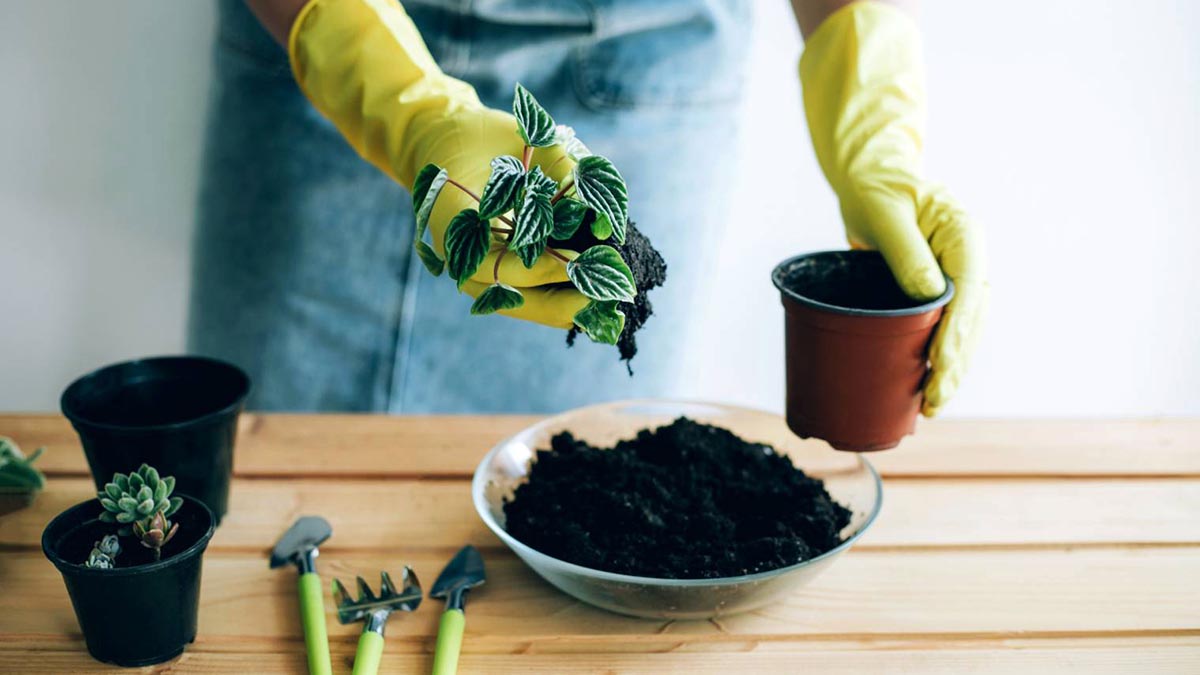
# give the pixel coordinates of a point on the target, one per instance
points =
(76, 544)
(649, 272)
(684, 501)
(853, 279)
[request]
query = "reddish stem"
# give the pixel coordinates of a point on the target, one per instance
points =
(527, 156)
(462, 187)
(558, 255)
(562, 191)
(496, 268)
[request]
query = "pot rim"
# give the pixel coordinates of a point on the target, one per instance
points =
(925, 307)
(49, 548)
(238, 401)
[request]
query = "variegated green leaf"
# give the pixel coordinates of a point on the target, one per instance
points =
(503, 186)
(601, 274)
(535, 215)
(429, 258)
(601, 321)
(600, 186)
(533, 122)
(468, 237)
(497, 297)
(568, 214)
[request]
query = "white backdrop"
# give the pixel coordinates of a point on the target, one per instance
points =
(1071, 129)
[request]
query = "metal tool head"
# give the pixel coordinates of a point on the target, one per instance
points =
(463, 572)
(299, 544)
(406, 599)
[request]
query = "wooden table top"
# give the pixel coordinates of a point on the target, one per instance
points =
(1003, 546)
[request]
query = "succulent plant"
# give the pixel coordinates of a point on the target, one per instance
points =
(155, 531)
(16, 470)
(141, 503)
(104, 553)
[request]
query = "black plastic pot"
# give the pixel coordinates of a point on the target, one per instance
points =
(176, 413)
(136, 615)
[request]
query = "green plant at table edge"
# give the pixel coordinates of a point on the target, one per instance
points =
(140, 505)
(16, 470)
(521, 210)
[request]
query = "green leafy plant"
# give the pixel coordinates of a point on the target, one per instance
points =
(140, 505)
(16, 470)
(104, 553)
(521, 211)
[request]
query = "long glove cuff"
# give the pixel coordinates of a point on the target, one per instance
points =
(363, 64)
(863, 76)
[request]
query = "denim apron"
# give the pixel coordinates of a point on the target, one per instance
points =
(303, 271)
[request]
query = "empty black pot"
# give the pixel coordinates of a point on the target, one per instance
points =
(176, 413)
(132, 615)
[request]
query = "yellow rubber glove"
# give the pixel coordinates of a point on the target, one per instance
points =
(864, 95)
(363, 64)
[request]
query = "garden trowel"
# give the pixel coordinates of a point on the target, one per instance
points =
(462, 573)
(298, 546)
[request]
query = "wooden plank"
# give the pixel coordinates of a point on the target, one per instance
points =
(1097, 656)
(374, 514)
(377, 445)
(967, 594)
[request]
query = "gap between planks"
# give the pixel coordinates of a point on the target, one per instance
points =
(967, 594)
(450, 446)
(929, 515)
(1100, 656)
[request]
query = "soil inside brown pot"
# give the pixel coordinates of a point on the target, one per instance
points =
(683, 501)
(857, 282)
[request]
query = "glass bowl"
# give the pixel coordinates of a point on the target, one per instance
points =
(849, 478)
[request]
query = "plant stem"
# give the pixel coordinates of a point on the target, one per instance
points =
(496, 267)
(527, 156)
(558, 255)
(462, 187)
(562, 191)
(507, 221)
(157, 553)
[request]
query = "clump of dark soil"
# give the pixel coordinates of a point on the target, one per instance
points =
(853, 279)
(684, 501)
(649, 272)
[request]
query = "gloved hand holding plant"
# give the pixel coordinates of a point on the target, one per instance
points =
(519, 186)
(524, 214)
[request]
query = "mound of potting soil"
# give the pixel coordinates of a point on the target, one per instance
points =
(684, 501)
(649, 272)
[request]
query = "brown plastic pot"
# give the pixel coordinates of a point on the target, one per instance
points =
(857, 349)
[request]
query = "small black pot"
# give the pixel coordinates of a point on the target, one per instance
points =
(139, 615)
(176, 413)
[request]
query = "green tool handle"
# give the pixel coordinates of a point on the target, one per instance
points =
(312, 615)
(369, 654)
(449, 642)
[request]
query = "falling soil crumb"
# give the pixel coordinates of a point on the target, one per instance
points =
(649, 272)
(684, 501)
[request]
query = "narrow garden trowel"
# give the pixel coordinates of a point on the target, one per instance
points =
(374, 611)
(298, 546)
(462, 573)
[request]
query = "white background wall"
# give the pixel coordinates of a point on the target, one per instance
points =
(1071, 129)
